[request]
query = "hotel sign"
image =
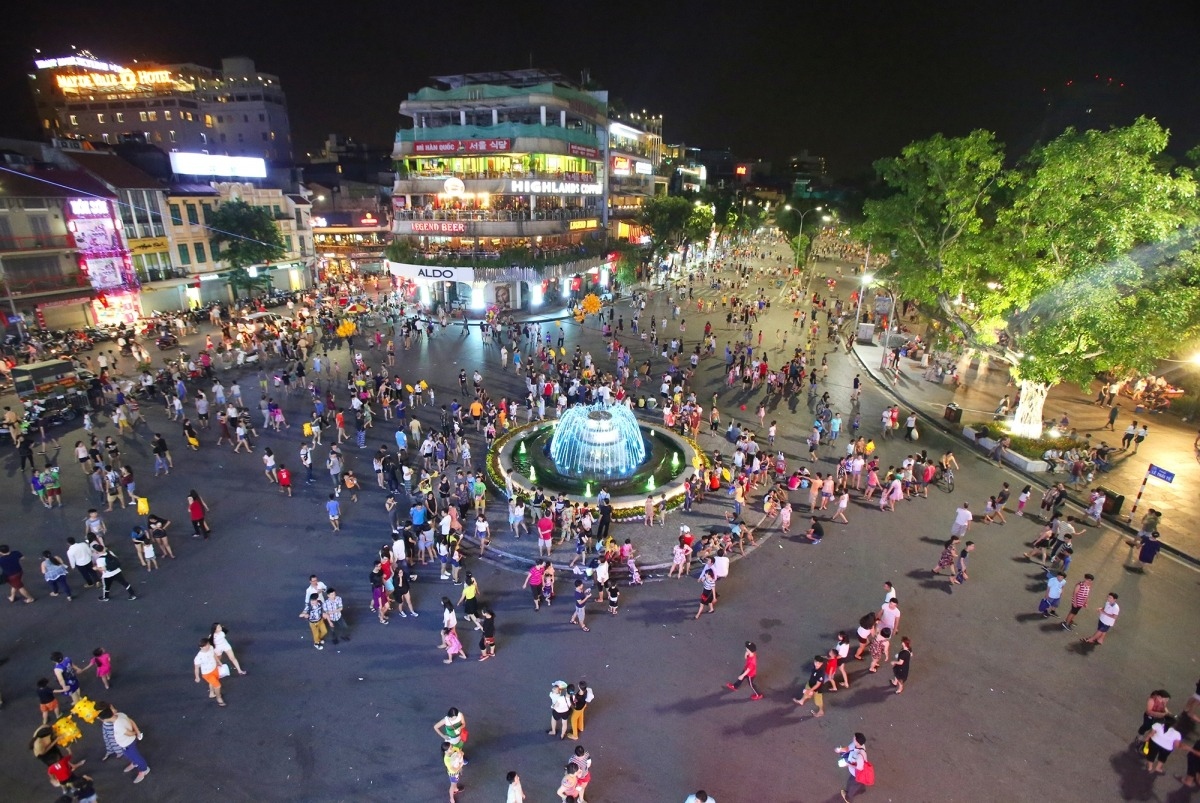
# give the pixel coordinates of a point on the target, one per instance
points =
(438, 227)
(554, 187)
(127, 80)
(460, 145)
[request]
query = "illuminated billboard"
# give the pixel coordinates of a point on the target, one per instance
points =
(208, 164)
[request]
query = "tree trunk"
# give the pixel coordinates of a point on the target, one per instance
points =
(1028, 418)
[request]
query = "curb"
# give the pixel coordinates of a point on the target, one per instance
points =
(1035, 480)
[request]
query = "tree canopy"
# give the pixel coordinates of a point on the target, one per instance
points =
(673, 220)
(247, 235)
(1076, 260)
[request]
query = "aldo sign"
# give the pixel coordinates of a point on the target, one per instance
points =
(432, 273)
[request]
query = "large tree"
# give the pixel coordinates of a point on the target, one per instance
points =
(674, 221)
(248, 236)
(1071, 263)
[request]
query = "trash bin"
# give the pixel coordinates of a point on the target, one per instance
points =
(1113, 501)
(953, 413)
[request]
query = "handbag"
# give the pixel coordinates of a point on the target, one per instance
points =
(915, 434)
(223, 670)
(866, 775)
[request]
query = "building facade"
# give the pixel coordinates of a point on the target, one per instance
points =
(501, 193)
(234, 110)
(635, 163)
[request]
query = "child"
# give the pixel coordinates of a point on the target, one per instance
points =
(103, 662)
(334, 508)
(285, 479)
(451, 645)
(1023, 498)
(785, 518)
(548, 583)
(614, 597)
(47, 701)
(149, 557)
(351, 482)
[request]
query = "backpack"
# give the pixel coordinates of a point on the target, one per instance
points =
(111, 562)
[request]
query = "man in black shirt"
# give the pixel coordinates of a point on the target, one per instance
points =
(812, 689)
(815, 531)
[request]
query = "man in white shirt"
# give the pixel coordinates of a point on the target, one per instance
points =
(79, 555)
(700, 797)
(962, 520)
(315, 586)
(889, 616)
(721, 565)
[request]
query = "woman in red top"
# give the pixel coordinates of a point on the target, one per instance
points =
(197, 508)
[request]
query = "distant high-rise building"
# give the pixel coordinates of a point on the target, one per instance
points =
(231, 111)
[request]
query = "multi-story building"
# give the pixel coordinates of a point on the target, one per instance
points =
(501, 193)
(234, 110)
(64, 259)
(197, 253)
(634, 164)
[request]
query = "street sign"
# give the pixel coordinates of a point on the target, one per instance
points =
(1161, 473)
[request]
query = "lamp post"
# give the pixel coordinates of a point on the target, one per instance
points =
(800, 233)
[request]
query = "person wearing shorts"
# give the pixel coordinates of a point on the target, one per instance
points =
(47, 702)
(560, 709)
(581, 599)
(205, 665)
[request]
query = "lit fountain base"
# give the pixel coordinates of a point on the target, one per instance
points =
(524, 456)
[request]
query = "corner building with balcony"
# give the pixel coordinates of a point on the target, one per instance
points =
(501, 193)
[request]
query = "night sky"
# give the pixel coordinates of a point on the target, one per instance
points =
(849, 81)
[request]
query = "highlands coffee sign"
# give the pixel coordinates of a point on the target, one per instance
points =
(430, 273)
(523, 186)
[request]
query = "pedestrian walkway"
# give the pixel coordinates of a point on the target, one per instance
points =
(1168, 444)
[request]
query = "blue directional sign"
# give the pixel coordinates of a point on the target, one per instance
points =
(1161, 473)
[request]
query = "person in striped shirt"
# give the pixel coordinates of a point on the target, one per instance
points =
(708, 579)
(1079, 600)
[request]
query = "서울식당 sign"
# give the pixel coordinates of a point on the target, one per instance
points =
(460, 145)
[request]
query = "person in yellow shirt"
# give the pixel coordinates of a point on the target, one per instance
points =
(476, 412)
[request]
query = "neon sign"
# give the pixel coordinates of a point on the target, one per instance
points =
(124, 80)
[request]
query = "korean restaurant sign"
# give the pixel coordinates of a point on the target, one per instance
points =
(582, 150)
(463, 145)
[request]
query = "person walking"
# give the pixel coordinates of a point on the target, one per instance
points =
(946, 560)
(314, 612)
(1108, 617)
(812, 688)
(900, 666)
(11, 571)
(79, 555)
(220, 641)
(749, 672)
(207, 666)
(108, 566)
(198, 512)
(452, 759)
(862, 774)
(1054, 587)
(581, 598)
(121, 735)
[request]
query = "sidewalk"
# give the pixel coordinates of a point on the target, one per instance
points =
(1168, 444)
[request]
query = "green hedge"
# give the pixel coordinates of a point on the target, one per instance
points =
(1030, 447)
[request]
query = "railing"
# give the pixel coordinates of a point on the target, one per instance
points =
(36, 242)
(483, 175)
(578, 136)
(161, 274)
(16, 285)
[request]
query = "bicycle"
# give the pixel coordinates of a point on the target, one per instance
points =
(946, 481)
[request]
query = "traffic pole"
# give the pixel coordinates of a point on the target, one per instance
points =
(1141, 491)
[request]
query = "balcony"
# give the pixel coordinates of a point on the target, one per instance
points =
(39, 242)
(519, 137)
(493, 182)
(17, 285)
(157, 273)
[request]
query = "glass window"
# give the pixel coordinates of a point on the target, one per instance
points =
(142, 116)
(166, 115)
(208, 123)
(100, 119)
(173, 210)
(199, 247)
(120, 117)
(185, 258)
(220, 118)
(74, 119)
(104, 136)
(153, 117)
(172, 134)
(193, 215)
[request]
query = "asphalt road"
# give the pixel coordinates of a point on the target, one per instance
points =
(1001, 704)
